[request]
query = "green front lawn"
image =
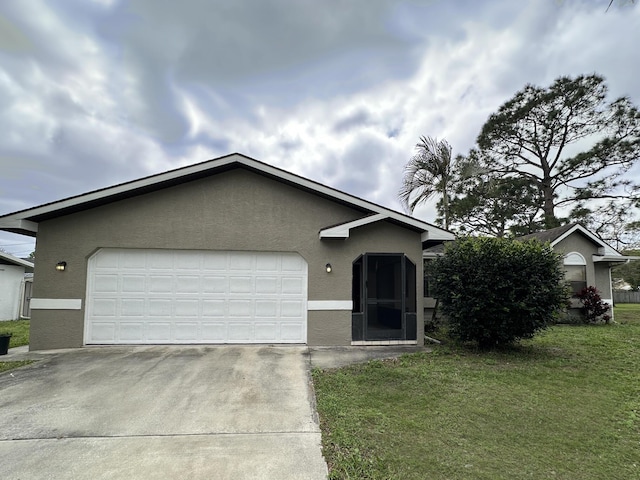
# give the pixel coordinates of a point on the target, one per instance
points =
(19, 330)
(564, 405)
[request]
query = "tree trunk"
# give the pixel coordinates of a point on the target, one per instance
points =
(550, 220)
(445, 208)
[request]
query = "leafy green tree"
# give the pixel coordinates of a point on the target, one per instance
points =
(534, 137)
(495, 291)
(629, 272)
(428, 173)
(488, 205)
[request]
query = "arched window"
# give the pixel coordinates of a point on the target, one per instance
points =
(575, 267)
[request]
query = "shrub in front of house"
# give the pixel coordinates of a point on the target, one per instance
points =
(593, 308)
(496, 291)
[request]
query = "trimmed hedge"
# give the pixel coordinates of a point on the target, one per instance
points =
(496, 291)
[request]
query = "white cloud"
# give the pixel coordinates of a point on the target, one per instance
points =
(96, 93)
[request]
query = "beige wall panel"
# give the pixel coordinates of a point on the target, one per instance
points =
(51, 329)
(329, 328)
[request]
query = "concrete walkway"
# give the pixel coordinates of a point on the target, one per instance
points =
(160, 412)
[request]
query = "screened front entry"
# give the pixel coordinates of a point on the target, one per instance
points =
(384, 298)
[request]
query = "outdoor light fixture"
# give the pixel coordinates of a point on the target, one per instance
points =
(61, 266)
(328, 267)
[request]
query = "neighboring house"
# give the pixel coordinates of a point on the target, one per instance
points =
(587, 261)
(587, 258)
(227, 251)
(14, 287)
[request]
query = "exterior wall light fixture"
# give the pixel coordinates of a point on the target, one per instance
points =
(61, 266)
(328, 267)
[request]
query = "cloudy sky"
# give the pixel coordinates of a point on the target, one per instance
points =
(98, 92)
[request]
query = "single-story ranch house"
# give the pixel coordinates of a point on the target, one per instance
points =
(227, 251)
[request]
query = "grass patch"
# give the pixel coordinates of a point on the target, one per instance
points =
(19, 330)
(564, 405)
(626, 312)
(5, 366)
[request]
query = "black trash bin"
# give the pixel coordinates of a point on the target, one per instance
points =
(4, 343)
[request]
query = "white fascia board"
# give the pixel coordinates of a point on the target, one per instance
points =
(342, 231)
(15, 260)
(18, 223)
(613, 258)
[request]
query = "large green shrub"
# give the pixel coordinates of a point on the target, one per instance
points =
(496, 291)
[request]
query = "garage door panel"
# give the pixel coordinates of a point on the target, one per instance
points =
(266, 308)
(187, 308)
(105, 307)
(158, 331)
(160, 284)
(240, 284)
(106, 283)
(134, 283)
(187, 331)
(214, 284)
(214, 308)
(293, 285)
(188, 283)
(291, 308)
(131, 331)
(160, 259)
(241, 332)
(215, 261)
(132, 307)
(239, 262)
(267, 285)
(104, 332)
(167, 296)
(160, 307)
(214, 332)
(266, 331)
(291, 331)
(240, 308)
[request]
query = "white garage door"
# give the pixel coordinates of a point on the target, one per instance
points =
(195, 296)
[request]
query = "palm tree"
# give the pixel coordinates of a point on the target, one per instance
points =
(428, 173)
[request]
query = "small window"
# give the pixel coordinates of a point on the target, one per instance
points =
(575, 267)
(429, 279)
(356, 286)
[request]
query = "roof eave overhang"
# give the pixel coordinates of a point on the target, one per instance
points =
(10, 259)
(19, 225)
(613, 258)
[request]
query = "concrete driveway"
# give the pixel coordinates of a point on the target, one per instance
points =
(161, 412)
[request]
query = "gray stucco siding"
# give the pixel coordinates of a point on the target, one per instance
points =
(578, 243)
(603, 280)
(235, 210)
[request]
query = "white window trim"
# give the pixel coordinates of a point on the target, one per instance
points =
(574, 258)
